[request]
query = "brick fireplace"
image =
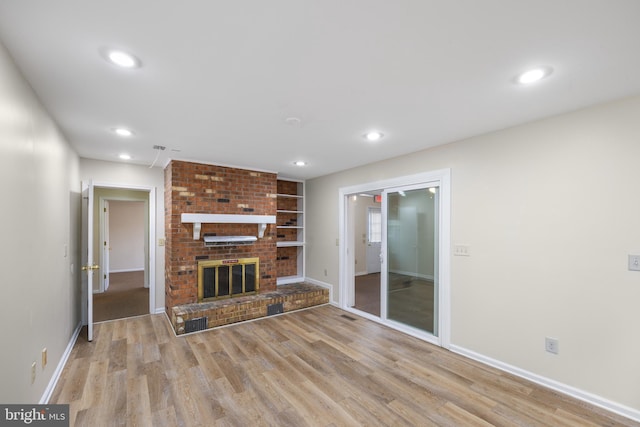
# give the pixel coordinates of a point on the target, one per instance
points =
(226, 196)
(195, 188)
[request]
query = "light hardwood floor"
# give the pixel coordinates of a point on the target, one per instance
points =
(316, 367)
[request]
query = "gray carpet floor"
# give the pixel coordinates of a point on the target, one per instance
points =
(126, 297)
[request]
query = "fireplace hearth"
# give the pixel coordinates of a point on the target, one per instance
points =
(224, 311)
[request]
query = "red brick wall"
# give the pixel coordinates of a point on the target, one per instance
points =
(199, 188)
(287, 187)
(287, 261)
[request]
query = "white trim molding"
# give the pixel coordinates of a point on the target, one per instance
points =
(63, 361)
(574, 392)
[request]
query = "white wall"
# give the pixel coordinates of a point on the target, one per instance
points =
(126, 175)
(550, 210)
(126, 236)
(39, 225)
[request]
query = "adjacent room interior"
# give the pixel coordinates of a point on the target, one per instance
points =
(122, 290)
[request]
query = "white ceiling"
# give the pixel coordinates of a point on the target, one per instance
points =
(219, 79)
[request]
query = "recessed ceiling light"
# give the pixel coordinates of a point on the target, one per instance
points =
(373, 136)
(533, 75)
(300, 163)
(293, 121)
(125, 156)
(121, 58)
(124, 132)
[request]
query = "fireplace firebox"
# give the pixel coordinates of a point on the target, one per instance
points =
(227, 278)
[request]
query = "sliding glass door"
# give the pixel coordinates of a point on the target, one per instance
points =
(411, 256)
(412, 291)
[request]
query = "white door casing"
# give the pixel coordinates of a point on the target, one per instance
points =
(106, 246)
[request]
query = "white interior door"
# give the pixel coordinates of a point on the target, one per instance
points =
(88, 266)
(106, 247)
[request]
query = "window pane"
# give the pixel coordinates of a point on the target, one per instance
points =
(375, 226)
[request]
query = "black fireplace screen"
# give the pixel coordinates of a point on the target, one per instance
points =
(227, 278)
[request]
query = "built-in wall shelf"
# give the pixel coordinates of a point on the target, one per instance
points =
(198, 219)
(290, 231)
(292, 196)
(289, 244)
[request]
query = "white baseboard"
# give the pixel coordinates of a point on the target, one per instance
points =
(159, 310)
(63, 361)
(324, 285)
(574, 392)
(361, 273)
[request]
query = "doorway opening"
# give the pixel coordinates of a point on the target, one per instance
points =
(399, 277)
(365, 215)
(123, 285)
(98, 279)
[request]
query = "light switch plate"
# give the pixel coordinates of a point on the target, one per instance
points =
(634, 262)
(462, 250)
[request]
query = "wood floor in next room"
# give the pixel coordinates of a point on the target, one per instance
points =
(315, 367)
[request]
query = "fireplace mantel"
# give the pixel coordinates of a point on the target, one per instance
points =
(198, 219)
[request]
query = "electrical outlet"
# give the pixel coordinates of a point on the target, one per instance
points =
(634, 262)
(44, 357)
(33, 372)
(551, 345)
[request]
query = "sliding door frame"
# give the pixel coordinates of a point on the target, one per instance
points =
(441, 178)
